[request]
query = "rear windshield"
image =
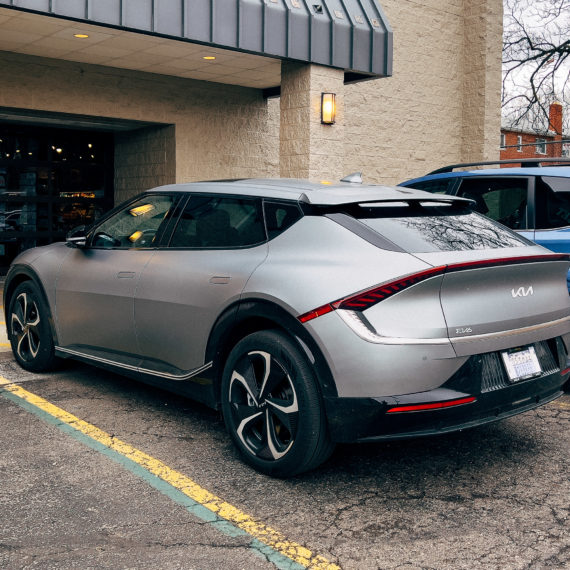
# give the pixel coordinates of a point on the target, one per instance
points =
(427, 228)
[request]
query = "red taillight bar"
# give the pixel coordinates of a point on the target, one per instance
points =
(565, 371)
(432, 406)
(369, 297)
(316, 313)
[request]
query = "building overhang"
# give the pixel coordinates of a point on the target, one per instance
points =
(246, 39)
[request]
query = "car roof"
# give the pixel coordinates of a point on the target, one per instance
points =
(557, 171)
(317, 193)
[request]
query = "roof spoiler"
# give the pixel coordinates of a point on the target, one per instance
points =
(524, 162)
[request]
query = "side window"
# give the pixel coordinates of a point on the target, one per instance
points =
(280, 216)
(137, 225)
(501, 199)
(552, 202)
(219, 222)
(438, 186)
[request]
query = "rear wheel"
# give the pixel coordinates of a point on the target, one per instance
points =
(272, 407)
(29, 329)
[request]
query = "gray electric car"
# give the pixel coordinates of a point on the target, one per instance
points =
(309, 313)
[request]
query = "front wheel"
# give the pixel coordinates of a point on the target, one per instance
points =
(272, 406)
(29, 329)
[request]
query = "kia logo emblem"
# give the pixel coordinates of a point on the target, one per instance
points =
(522, 292)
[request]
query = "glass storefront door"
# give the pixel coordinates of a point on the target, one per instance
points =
(51, 180)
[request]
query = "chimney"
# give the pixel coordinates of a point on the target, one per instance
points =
(555, 124)
(555, 118)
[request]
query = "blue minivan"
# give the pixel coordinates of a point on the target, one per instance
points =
(532, 199)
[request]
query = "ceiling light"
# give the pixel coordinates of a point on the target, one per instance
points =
(209, 57)
(81, 36)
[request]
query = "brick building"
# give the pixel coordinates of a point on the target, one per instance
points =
(101, 99)
(524, 141)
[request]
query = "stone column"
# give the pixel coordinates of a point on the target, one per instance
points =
(483, 35)
(309, 149)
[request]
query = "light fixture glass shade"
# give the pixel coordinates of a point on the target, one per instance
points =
(328, 108)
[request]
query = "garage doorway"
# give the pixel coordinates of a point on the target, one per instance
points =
(51, 180)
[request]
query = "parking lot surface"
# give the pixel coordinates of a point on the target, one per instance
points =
(492, 497)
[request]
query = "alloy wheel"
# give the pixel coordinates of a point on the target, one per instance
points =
(25, 322)
(264, 406)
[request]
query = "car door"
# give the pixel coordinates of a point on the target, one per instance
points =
(503, 199)
(552, 213)
(217, 244)
(96, 284)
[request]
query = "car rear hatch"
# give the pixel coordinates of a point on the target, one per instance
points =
(493, 304)
(485, 288)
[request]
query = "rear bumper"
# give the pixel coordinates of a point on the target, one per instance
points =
(369, 419)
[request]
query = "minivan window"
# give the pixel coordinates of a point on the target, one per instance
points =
(501, 199)
(552, 202)
(437, 186)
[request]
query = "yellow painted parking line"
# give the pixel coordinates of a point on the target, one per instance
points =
(296, 553)
(562, 405)
(5, 344)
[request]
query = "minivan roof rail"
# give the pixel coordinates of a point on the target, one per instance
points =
(524, 162)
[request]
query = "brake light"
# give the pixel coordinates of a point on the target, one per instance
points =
(432, 405)
(369, 297)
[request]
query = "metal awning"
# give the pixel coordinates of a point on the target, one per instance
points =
(352, 35)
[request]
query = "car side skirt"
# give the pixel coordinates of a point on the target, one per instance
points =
(196, 384)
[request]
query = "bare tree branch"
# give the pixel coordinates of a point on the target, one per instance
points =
(536, 60)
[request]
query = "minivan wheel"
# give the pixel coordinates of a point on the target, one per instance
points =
(29, 329)
(272, 406)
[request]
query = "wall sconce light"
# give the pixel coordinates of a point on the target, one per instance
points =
(328, 108)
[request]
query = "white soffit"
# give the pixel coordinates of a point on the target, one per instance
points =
(46, 36)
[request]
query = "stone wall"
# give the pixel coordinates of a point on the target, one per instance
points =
(309, 149)
(144, 158)
(222, 131)
(442, 104)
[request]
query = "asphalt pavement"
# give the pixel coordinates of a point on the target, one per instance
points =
(99, 471)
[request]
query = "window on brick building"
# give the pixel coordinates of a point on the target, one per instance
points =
(503, 140)
(540, 146)
(519, 144)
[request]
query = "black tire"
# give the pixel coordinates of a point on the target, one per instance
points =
(272, 407)
(29, 329)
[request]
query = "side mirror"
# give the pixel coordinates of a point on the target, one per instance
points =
(77, 237)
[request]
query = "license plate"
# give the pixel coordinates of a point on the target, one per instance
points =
(521, 363)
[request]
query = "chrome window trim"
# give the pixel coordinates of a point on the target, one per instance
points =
(139, 369)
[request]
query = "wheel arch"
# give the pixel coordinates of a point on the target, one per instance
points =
(18, 275)
(253, 315)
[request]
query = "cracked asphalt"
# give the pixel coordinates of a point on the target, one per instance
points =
(493, 497)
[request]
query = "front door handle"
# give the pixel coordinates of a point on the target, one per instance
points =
(126, 275)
